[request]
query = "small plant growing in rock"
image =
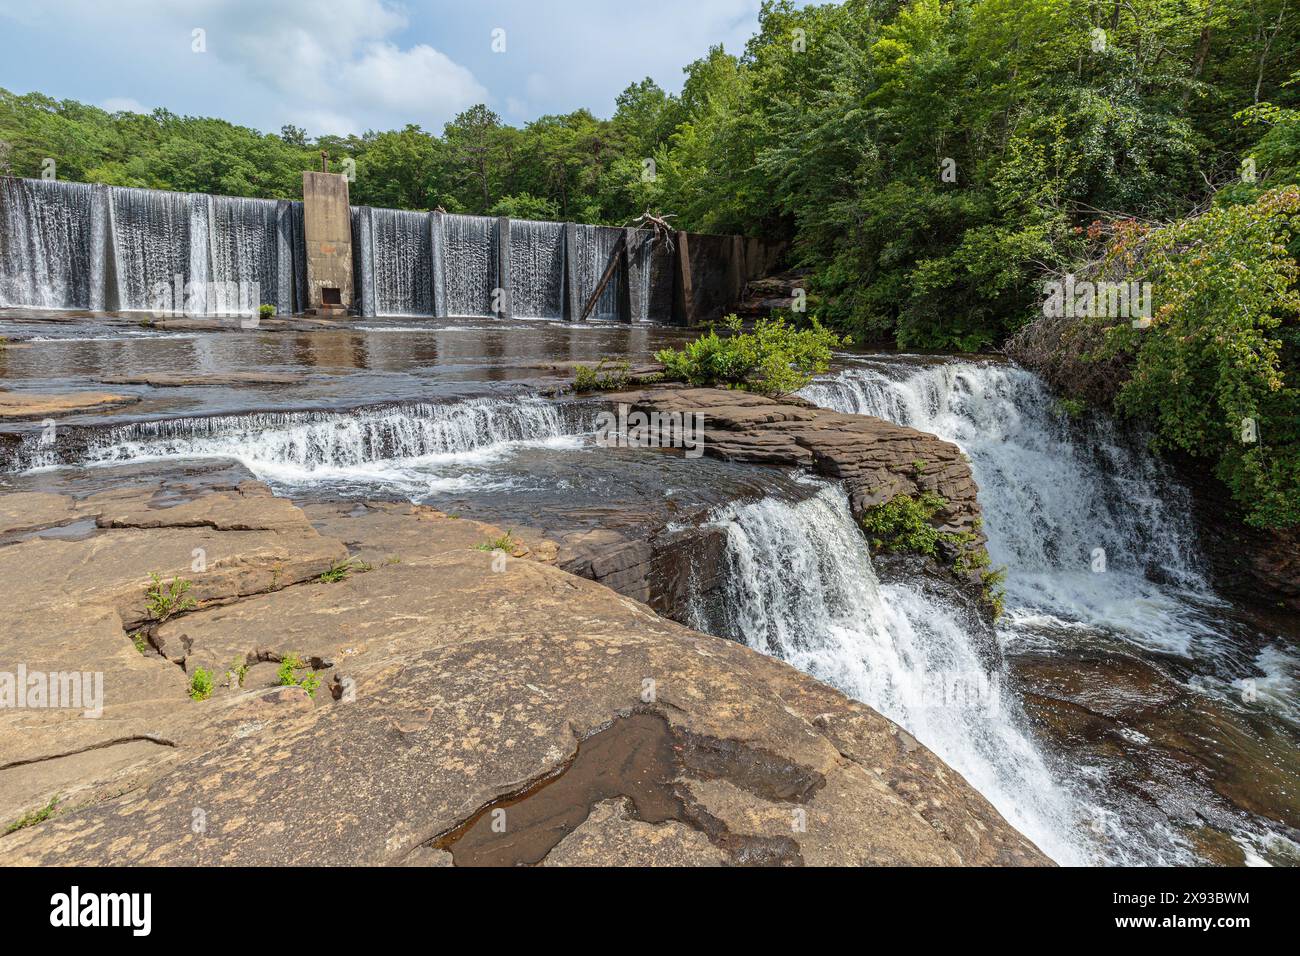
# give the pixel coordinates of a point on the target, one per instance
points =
(1072, 407)
(993, 593)
(288, 677)
(35, 817)
(341, 569)
(164, 600)
(139, 641)
(903, 523)
(266, 310)
(201, 684)
(587, 379)
(236, 673)
(504, 543)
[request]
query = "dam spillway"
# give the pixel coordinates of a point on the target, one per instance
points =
(95, 247)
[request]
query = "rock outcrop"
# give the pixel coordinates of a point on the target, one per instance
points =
(454, 683)
(874, 459)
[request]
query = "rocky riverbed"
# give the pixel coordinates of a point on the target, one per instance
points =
(455, 685)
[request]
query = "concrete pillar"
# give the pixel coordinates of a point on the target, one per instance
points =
(327, 233)
(685, 282)
(506, 309)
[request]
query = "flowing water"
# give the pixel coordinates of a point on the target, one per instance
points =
(1101, 557)
(79, 246)
(800, 586)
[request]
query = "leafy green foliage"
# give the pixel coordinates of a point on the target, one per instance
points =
(164, 600)
(36, 816)
(1217, 373)
(904, 523)
(287, 675)
(774, 358)
(201, 684)
(601, 378)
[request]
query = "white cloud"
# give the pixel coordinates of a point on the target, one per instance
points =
(123, 104)
(333, 67)
(418, 81)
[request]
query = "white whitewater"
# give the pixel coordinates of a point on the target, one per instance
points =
(800, 586)
(414, 448)
(1080, 517)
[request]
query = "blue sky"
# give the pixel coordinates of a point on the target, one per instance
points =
(344, 66)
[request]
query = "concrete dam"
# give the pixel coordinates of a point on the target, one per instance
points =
(80, 246)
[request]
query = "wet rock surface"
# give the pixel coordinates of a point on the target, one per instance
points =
(24, 405)
(450, 679)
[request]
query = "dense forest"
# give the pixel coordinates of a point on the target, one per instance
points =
(932, 164)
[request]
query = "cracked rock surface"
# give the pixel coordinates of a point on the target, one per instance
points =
(453, 682)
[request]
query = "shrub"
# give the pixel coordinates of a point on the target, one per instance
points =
(774, 358)
(201, 684)
(598, 379)
(1215, 374)
(903, 523)
(164, 600)
(266, 310)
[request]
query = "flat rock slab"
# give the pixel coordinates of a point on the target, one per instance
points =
(33, 510)
(450, 682)
(875, 459)
(17, 405)
(182, 379)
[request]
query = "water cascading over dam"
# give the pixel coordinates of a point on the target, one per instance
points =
(108, 248)
(81, 246)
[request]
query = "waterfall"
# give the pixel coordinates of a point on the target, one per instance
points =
(800, 586)
(1089, 525)
(51, 244)
(393, 253)
(469, 251)
(313, 441)
(246, 247)
(79, 246)
(537, 269)
(152, 241)
(593, 247)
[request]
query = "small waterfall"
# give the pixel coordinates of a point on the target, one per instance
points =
(800, 586)
(305, 442)
(51, 244)
(158, 237)
(245, 246)
(469, 251)
(537, 269)
(594, 247)
(1085, 520)
(394, 257)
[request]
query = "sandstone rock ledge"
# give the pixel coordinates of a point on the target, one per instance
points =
(455, 682)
